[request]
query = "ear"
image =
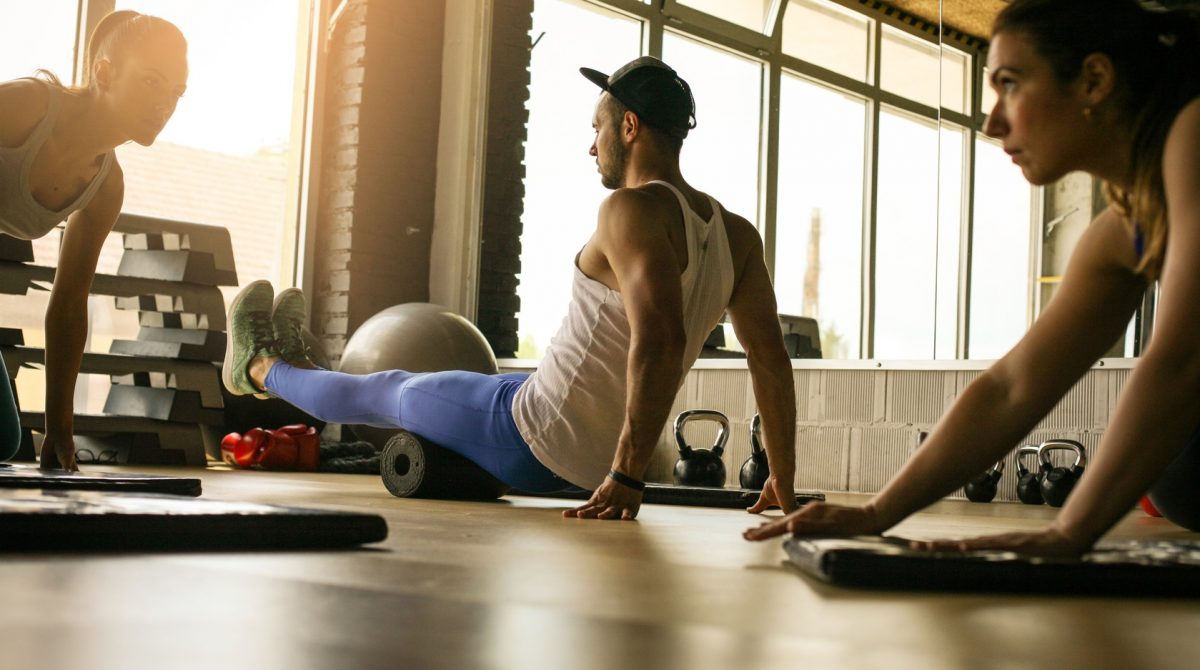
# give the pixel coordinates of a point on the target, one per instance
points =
(631, 126)
(102, 71)
(1098, 78)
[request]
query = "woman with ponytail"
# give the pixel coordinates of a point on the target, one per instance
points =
(1113, 89)
(57, 163)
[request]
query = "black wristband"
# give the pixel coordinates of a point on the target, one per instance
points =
(626, 480)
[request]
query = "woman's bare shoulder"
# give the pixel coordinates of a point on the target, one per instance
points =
(23, 104)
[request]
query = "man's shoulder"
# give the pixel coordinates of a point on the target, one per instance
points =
(739, 228)
(634, 203)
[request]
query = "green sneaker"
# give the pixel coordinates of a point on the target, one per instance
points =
(288, 316)
(250, 336)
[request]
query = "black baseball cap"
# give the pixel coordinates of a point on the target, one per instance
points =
(653, 91)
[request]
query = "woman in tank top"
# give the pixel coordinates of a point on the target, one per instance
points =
(57, 163)
(1113, 89)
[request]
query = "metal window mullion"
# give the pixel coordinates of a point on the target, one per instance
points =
(965, 245)
(827, 77)
(867, 342)
(769, 148)
(89, 14)
(909, 106)
(652, 34)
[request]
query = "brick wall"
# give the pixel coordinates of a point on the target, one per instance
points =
(504, 188)
(375, 219)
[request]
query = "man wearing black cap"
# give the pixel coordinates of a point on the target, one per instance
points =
(663, 265)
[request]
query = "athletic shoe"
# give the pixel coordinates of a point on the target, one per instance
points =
(250, 336)
(287, 321)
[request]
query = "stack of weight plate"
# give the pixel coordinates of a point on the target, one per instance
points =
(165, 404)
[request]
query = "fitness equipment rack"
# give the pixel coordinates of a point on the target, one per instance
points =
(166, 404)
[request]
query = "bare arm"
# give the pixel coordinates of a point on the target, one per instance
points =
(634, 244)
(66, 316)
(754, 315)
(1098, 295)
(1157, 409)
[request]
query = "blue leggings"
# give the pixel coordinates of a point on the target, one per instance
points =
(467, 412)
(10, 421)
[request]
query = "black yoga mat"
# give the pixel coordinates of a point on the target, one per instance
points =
(1142, 568)
(694, 496)
(15, 475)
(93, 520)
(413, 467)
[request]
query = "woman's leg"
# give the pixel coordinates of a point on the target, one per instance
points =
(1176, 494)
(10, 421)
(466, 412)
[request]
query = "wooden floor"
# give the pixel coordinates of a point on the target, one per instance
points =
(511, 584)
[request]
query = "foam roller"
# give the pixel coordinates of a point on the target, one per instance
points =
(413, 467)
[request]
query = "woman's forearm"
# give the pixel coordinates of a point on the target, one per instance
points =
(66, 333)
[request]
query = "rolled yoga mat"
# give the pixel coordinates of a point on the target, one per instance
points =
(15, 475)
(413, 467)
(1141, 568)
(99, 521)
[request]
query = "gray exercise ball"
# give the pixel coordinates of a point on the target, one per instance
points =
(416, 337)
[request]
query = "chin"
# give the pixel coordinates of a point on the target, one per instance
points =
(145, 139)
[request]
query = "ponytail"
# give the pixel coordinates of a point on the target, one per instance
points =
(1172, 40)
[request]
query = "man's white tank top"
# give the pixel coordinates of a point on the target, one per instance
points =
(572, 408)
(20, 215)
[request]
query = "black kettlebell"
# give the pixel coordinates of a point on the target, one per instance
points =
(983, 488)
(701, 467)
(1029, 483)
(1057, 482)
(755, 470)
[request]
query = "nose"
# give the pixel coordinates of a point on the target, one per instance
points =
(592, 149)
(994, 125)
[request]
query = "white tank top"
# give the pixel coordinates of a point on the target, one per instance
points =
(20, 215)
(572, 408)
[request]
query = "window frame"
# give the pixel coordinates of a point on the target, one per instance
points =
(767, 48)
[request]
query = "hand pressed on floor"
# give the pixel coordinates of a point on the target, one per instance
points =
(818, 518)
(610, 501)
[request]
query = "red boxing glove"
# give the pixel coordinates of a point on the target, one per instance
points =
(308, 446)
(295, 447)
(241, 450)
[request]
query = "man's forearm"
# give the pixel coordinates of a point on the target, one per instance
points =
(653, 375)
(775, 395)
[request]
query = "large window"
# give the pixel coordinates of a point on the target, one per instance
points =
(851, 138)
(819, 221)
(562, 185)
(906, 244)
(721, 155)
(1000, 277)
(223, 158)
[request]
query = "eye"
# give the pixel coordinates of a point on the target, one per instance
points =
(150, 82)
(1007, 84)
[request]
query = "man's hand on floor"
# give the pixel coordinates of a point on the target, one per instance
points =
(610, 501)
